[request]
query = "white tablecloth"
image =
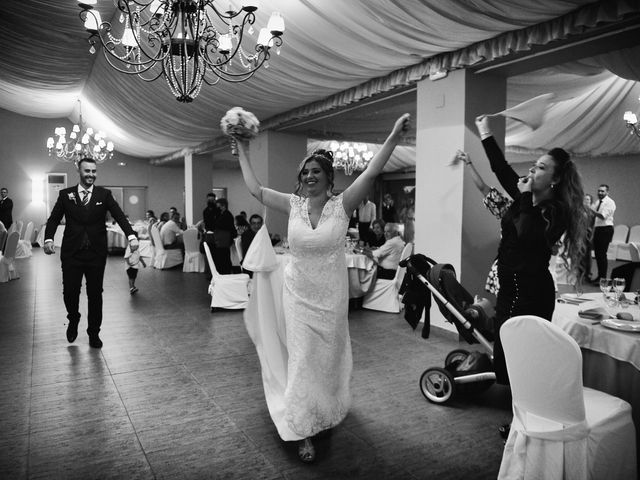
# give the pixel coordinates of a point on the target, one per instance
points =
(361, 270)
(610, 358)
(623, 346)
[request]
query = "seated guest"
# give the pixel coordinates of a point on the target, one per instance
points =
(164, 218)
(256, 222)
(182, 222)
(171, 233)
(246, 234)
(376, 237)
(388, 255)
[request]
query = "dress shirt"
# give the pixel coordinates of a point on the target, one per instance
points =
(367, 212)
(388, 255)
(607, 209)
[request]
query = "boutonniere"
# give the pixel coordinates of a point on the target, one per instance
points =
(72, 196)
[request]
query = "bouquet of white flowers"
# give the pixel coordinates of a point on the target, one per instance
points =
(238, 123)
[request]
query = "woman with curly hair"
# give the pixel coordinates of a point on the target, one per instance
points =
(316, 292)
(547, 216)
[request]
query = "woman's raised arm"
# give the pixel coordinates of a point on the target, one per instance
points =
(356, 192)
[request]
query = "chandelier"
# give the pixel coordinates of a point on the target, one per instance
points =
(177, 39)
(81, 143)
(350, 156)
(632, 122)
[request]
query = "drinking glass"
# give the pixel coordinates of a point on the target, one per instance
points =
(618, 287)
(605, 285)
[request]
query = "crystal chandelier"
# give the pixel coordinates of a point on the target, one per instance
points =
(81, 143)
(350, 156)
(178, 40)
(632, 122)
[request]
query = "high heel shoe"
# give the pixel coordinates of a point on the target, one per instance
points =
(306, 450)
(504, 430)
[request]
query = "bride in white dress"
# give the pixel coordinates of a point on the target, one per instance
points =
(316, 292)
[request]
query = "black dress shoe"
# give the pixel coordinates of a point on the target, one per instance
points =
(94, 341)
(72, 331)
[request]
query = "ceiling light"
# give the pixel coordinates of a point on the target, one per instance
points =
(350, 156)
(178, 40)
(81, 143)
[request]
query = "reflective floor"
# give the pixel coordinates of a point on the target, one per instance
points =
(176, 392)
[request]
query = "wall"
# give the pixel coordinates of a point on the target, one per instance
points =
(23, 156)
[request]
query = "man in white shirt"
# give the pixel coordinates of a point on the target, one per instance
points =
(387, 257)
(366, 215)
(603, 208)
(171, 233)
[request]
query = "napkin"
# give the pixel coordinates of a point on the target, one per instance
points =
(596, 313)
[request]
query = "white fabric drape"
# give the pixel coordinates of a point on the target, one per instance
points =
(330, 46)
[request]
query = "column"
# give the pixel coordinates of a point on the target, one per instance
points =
(197, 183)
(452, 225)
(275, 158)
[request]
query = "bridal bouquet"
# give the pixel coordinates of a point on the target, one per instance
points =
(238, 123)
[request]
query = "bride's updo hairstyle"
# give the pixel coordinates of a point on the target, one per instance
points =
(325, 160)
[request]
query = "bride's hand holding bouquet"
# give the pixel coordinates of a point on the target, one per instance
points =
(239, 125)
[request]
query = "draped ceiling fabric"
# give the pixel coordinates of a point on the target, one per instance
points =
(334, 52)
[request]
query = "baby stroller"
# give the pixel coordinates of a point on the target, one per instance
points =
(464, 371)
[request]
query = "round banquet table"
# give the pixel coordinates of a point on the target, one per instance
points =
(610, 358)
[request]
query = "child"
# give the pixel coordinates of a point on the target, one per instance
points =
(133, 262)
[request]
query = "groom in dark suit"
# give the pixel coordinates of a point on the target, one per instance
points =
(84, 245)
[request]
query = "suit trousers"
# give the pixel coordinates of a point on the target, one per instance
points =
(89, 264)
(601, 239)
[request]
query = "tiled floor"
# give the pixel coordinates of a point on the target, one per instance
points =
(176, 393)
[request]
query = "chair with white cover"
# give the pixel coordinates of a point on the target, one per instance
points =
(560, 429)
(3, 239)
(620, 235)
(7, 267)
(227, 291)
(24, 244)
(384, 296)
(624, 250)
(193, 259)
(236, 253)
(163, 258)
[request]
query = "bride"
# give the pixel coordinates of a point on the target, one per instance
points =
(315, 297)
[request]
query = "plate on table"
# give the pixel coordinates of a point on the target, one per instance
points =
(623, 325)
(573, 298)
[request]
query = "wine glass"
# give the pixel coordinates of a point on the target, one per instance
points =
(605, 286)
(618, 287)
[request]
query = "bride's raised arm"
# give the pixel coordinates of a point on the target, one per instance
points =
(271, 198)
(356, 192)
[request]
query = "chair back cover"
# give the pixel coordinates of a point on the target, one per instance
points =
(11, 245)
(406, 251)
(620, 233)
(212, 266)
(190, 238)
(634, 249)
(28, 232)
(545, 369)
(3, 239)
(155, 239)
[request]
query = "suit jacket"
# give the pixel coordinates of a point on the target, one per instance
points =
(80, 219)
(6, 207)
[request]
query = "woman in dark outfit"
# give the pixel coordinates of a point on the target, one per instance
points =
(548, 203)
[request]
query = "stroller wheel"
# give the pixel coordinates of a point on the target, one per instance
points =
(455, 357)
(437, 385)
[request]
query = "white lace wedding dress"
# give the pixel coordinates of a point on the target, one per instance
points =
(303, 341)
(316, 301)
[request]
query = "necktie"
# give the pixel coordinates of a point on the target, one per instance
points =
(85, 197)
(599, 203)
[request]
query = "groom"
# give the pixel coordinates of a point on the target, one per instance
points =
(84, 245)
